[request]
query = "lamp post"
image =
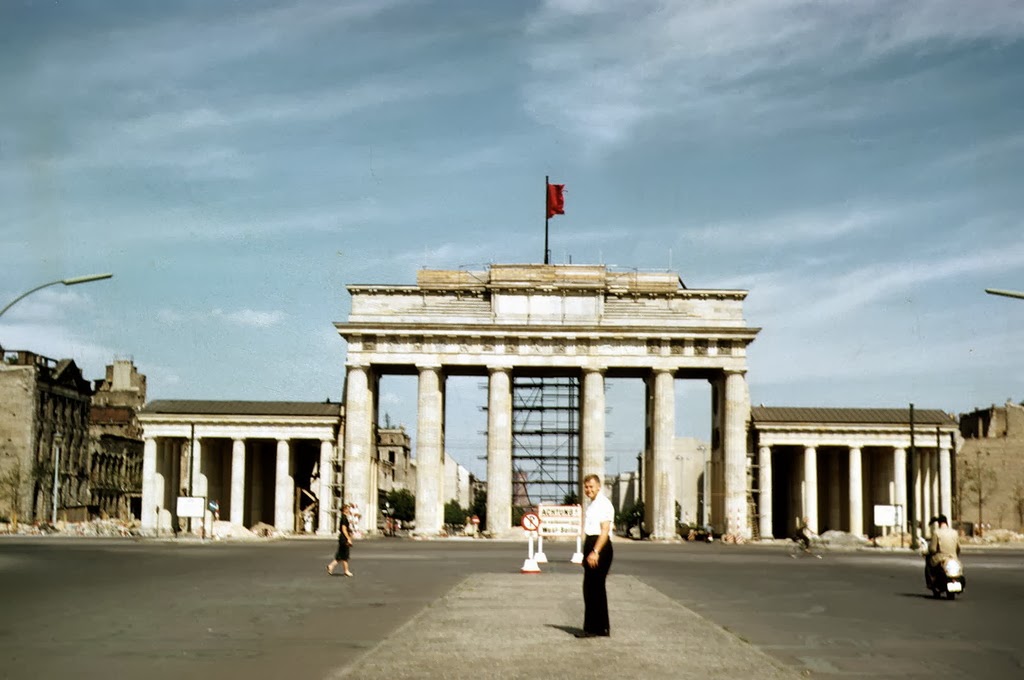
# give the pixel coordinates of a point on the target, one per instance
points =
(1005, 293)
(67, 282)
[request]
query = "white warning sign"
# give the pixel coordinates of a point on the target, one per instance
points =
(560, 520)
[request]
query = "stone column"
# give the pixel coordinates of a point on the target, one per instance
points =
(764, 482)
(662, 495)
(945, 484)
(172, 483)
(284, 489)
(163, 483)
(428, 452)
(150, 501)
(325, 495)
(737, 414)
(238, 499)
(926, 489)
(936, 488)
(593, 425)
(856, 492)
(919, 492)
(835, 506)
(256, 497)
(899, 478)
(499, 451)
(358, 439)
(200, 484)
(811, 487)
(159, 482)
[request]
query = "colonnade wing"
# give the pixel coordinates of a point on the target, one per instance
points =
(278, 470)
(831, 467)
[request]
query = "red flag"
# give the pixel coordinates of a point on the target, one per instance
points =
(556, 202)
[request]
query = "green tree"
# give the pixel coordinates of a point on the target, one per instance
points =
(454, 513)
(631, 515)
(403, 504)
(571, 499)
(479, 508)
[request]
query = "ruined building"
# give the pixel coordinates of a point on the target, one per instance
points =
(44, 425)
(115, 465)
(990, 469)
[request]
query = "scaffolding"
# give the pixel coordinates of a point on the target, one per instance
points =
(545, 440)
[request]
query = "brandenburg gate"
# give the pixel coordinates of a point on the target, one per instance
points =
(582, 321)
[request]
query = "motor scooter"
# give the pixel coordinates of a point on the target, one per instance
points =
(946, 578)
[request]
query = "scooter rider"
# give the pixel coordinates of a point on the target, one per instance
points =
(943, 545)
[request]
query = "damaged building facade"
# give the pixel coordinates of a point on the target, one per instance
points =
(990, 469)
(44, 437)
(115, 449)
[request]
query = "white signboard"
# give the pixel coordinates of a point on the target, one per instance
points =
(560, 520)
(191, 506)
(885, 515)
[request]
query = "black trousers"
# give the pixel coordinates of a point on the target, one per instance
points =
(595, 596)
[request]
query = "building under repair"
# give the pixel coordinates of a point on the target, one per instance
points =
(577, 324)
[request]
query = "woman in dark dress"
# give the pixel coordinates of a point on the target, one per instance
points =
(344, 543)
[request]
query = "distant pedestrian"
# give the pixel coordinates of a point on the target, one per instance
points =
(344, 543)
(597, 546)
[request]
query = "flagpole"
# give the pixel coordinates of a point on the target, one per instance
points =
(547, 253)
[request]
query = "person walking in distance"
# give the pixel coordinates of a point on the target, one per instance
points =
(344, 544)
(597, 548)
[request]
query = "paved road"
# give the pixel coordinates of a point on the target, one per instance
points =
(94, 608)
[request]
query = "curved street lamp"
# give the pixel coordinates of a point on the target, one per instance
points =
(1004, 293)
(67, 282)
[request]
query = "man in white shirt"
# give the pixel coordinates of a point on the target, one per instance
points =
(597, 550)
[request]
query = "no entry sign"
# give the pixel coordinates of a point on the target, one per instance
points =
(531, 522)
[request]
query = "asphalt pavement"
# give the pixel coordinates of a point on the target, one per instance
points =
(265, 610)
(524, 626)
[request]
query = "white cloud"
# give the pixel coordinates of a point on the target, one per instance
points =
(251, 317)
(805, 226)
(186, 45)
(800, 297)
(241, 317)
(603, 69)
(1007, 146)
(48, 305)
(170, 317)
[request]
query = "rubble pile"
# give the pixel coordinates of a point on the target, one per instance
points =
(109, 528)
(264, 530)
(992, 537)
(225, 530)
(842, 539)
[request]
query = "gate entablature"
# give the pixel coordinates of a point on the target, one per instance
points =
(539, 315)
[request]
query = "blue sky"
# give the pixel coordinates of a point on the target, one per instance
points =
(855, 165)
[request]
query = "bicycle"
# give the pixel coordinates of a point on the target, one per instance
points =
(813, 548)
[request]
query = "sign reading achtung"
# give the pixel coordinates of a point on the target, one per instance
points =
(560, 520)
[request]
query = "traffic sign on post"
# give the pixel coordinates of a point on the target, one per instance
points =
(531, 523)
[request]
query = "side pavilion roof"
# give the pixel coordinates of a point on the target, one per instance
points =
(242, 408)
(848, 416)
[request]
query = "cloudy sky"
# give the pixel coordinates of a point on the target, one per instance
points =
(855, 165)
